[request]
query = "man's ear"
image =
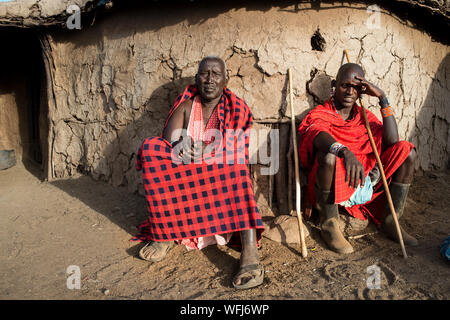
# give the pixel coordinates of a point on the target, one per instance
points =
(227, 77)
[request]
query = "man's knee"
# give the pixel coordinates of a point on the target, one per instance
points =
(410, 161)
(405, 173)
(412, 157)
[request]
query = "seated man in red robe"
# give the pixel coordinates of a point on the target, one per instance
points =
(335, 147)
(209, 200)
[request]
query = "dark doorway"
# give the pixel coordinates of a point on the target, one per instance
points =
(23, 103)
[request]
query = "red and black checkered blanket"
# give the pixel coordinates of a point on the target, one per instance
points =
(190, 200)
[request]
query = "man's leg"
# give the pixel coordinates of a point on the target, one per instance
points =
(251, 272)
(329, 213)
(398, 188)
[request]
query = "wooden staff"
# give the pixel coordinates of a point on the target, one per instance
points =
(297, 172)
(383, 176)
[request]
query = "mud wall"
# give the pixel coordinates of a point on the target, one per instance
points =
(113, 82)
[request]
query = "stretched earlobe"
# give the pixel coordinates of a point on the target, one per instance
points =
(227, 78)
(333, 83)
(333, 88)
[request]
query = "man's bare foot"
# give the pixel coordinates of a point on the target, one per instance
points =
(155, 251)
(251, 272)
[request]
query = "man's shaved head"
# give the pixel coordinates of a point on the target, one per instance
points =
(349, 68)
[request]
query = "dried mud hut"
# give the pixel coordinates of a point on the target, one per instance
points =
(81, 100)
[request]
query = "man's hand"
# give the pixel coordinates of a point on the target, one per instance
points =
(191, 151)
(369, 88)
(354, 170)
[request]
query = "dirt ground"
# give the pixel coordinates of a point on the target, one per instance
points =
(47, 227)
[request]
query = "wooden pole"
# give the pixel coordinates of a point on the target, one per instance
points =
(383, 176)
(297, 171)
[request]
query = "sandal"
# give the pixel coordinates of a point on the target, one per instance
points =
(155, 251)
(255, 281)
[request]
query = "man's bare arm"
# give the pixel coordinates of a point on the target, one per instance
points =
(171, 132)
(354, 170)
(390, 131)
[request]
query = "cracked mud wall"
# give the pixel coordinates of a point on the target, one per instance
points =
(114, 82)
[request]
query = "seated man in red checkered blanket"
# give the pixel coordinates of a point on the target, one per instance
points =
(335, 147)
(196, 178)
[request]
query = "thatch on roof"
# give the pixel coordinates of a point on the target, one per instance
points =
(432, 16)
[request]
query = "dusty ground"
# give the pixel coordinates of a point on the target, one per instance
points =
(47, 227)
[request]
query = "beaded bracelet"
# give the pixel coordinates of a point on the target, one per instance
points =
(386, 112)
(335, 148)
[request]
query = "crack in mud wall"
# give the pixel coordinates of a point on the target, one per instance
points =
(114, 82)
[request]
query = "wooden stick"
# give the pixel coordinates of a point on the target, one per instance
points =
(290, 175)
(383, 176)
(270, 191)
(362, 235)
(272, 120)
(297, 172)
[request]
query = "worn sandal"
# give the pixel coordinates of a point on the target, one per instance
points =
(155, 251)
(255, 281)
